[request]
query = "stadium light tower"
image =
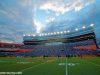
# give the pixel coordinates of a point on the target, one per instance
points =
(45, 34)
(51, 33)
(61, 32)
(48, 33)
(76, 29)
(55, 33)
(58, 32)
(40, 35)
(92, 25)
(83, 27)
(65, 31)
(34, 35)
(68, 31)
(24, 35)
(29, 35)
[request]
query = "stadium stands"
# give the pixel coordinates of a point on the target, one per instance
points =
(82, 43)
(66, 49)
(58, 50)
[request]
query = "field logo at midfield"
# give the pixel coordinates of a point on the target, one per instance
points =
(61, 64)
(69, 64)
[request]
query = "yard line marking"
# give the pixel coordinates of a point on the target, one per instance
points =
(93, 63)
(66, 67)
(32, 67)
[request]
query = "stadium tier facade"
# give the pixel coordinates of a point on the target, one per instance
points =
(63, 43)
(61, 37)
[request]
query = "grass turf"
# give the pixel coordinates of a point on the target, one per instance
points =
(50, 66)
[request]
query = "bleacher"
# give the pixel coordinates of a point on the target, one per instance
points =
(57, 50)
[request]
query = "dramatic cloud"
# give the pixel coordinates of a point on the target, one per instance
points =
(38, 26)
(50, 19)
(63, 6)
(18, 17)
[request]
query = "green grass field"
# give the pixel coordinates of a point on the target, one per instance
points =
(51, 66)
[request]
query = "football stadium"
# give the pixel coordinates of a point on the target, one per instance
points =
(49, 37)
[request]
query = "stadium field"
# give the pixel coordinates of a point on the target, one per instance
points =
(51, 66)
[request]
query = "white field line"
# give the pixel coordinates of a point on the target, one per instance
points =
(66, 67)
(92, 63)
(33, 66)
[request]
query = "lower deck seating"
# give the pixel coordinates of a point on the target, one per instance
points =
(55, 50)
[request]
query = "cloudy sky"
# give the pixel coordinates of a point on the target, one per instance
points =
(18, 17)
